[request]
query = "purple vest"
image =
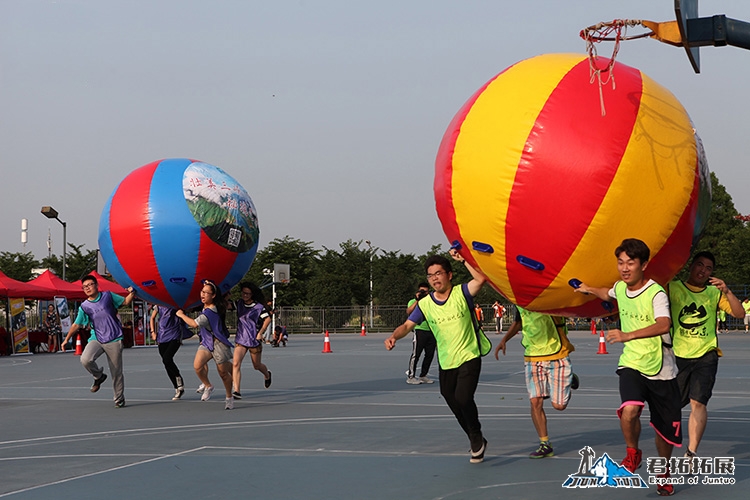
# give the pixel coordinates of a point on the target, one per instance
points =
(103, 316)
(248, 318)
(170, 326)
(217, 330)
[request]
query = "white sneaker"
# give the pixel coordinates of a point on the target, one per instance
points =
(413, 381)
(201, 388)
(425, 380)
(207, 393)
(178, 393)
(229, 404)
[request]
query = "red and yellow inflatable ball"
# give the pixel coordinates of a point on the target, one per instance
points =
(536, 187)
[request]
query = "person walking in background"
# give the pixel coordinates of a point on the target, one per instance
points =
(252, 322)
(214, 343)
(694, 304)
(169, 335)
(460, 344)
(499, 311)
(423, 341)
(746, 308)
(549, 374)
(52, 325)
(99, 311)
(479, 313)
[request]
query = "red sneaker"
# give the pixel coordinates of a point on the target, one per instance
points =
(665, 490)
(632, 460)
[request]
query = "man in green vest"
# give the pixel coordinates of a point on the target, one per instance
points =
(746, 308)
(423, 341)
(647, 368)
(549, 374)
(694, 306)
(449, 311)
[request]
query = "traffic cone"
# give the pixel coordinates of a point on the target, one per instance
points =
(602, 344)
(327, 344)
(79, 347)
(593, 327)
(364, 333)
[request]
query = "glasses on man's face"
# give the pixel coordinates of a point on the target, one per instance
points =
(89, 285)
(437, 274)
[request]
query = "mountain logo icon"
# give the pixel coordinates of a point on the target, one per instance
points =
(602, 472)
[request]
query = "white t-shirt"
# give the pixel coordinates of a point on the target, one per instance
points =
(661, 309)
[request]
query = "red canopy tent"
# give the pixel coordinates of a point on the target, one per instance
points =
(105, 285)
(18, 289)
(57, 286)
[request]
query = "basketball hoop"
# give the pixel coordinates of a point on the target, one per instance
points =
(613, 31)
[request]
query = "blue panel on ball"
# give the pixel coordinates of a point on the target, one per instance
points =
(175, 235)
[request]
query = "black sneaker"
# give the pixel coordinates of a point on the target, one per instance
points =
(98, 382)
(267, 382)
(575, 383)
(120, 404)
(478, 456)
(236, 395)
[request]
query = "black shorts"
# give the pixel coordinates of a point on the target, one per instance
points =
(697, 377)
(663, 398)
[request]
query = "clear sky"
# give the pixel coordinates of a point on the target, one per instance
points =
(328, 112)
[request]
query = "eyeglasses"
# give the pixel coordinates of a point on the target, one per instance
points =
(435, 275)
(89, 285)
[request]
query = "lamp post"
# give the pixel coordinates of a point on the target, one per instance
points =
(51, 213)
(369, 246)
(269, 272)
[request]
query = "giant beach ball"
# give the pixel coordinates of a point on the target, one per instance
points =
(173, 223)
(536, 186)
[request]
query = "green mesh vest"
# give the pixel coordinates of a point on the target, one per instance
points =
(637, 312)
(540, 335)
(693, 319)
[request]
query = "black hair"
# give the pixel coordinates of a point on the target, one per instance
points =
(706, 255)
(440, 261)
(635, 249)
(89, 277)
(256, 291)
(424, 285)
(219, 302)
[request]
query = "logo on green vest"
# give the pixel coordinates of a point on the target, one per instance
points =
(692, 316)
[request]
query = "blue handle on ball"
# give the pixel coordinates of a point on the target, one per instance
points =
(575, 283)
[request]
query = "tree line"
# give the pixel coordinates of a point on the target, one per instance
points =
(330, 277)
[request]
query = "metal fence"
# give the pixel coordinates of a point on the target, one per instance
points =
(350, 319)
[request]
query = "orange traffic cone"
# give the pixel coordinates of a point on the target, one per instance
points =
(602, 344)
(327, 344)
(79, 347)
(364, 333)
(593, 327)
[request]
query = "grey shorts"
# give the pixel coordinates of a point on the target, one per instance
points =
(222, 353)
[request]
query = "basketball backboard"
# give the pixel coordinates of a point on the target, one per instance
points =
(684, 11)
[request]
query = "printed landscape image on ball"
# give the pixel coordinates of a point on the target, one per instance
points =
(537, 187)
(173, 223)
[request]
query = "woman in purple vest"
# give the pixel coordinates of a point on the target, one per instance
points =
(169, 334)
(252, 321)
(214, 342)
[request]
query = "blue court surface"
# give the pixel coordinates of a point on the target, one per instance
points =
(338, 425)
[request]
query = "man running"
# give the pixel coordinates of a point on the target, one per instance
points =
(423, 341)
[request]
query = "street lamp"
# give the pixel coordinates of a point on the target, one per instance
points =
(51, 213)
(369, 246)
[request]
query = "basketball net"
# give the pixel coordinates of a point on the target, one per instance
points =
(614, 31)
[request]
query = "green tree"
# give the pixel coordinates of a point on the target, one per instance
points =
(726, 237)
(18, 265)
(395, 278)
(341, 278)
(300, 255)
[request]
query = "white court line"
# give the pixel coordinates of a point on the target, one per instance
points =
(91, 474)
